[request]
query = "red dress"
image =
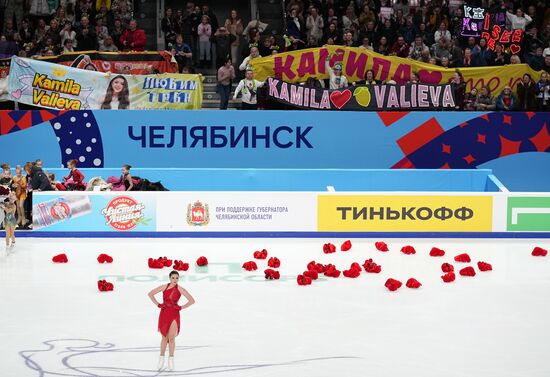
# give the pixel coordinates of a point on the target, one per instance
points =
(169, 312)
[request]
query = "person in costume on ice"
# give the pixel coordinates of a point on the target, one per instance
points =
(169, 317)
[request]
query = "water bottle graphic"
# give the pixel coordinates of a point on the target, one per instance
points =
(60, 209)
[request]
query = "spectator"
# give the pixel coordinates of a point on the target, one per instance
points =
(456, 53)
(415, 78)
(400, 48)
(226, 75)
(223, 40)
(366, 44)
(105, 15)
(108, 45)
(499, 57)
(536, 60)
(470, 100)
(254, 53)
(369, 32)
(67, 46)
(265, 48)
(7, 47)
(481, 54)
(336, 79)
(168, 27)
(514, 59)
(54, 32)
(101, 32)
(204, 31)
(485, 101)
(212, 19)
(67, 33)
(527, 94)
(543, 92)
(348, 39)
(366, 16)
(369, 79)
(182, 53)
(415, 51)
(389, 32)
(235, 26)
(25, 31)
(333, 34)
(249, 88)
(84, 9)
(85, 36)
(133, 39)
(467, 61)
(314, 25)
(383, 47)
(442, 32)
(506, 101)
(349, 19)
(518, 20)
(459, 89)
(427, 37)
(124, 14)
(293, 25)
(117, 32)
(441, 50)
(408, 31)
(445, 62)
(9, 29)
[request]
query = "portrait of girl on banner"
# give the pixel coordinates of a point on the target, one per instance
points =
(117, 95)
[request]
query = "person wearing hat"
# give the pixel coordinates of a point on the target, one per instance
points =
(249, 88)
(336, 79)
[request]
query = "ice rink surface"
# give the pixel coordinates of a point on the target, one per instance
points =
(55, 322)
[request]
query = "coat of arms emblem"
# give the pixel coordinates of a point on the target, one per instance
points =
(198, 214)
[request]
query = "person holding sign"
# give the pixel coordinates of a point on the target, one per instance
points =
(249, 88)
(336, 79)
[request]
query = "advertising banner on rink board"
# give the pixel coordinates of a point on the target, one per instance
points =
(298, 66)
(237, 212)
(358, 98)
(369, 213)
(57, 87)
(81, 211)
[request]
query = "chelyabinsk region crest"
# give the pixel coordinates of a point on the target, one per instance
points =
(198, 214)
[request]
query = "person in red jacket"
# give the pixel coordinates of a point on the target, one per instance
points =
(75, 179)
(133, 39)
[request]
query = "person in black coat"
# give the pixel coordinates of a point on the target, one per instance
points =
(39, 179)
(527, 94)
(223, 40)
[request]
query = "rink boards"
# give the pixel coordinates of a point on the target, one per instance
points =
(290, 214)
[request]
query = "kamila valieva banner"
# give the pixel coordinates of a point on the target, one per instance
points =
(360, 98)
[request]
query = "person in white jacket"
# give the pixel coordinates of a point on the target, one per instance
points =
(249, 89)
(519, 20)
(254, 53)
(336, 79)
(314, 25)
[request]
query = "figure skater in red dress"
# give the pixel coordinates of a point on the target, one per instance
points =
(169, 318)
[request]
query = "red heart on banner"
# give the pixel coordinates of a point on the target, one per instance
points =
(427, 77)
(339, 99)
(514, 49)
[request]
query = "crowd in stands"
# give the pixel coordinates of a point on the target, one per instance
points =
(47, 28)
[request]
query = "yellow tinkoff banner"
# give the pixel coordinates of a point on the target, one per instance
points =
(297, 66)
(414, 213)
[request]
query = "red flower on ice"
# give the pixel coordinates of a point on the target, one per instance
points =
(274, 262)
(464, 258)
(381, 246)
(346, 246)
(303, 280)
(260, 254)
(202, 261)
(104, 286)
(331, 271)
(446, 267)
(329, 248)
(436, 252)
(60, 258)
(311, 274)
(408, 250)
(449, 277)
(316, 266)
(272, 274)
(180, 266)
(468, 271)
(484, 266)
(372, 267)
(413, 283)
(250, 266)
(155, 263)
(539, 252)
(392, 284)
(104, 258)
